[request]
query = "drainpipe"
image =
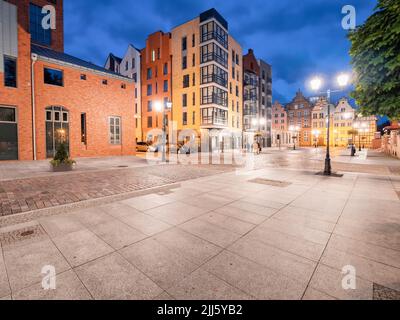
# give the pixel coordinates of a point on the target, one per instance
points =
(34, 58)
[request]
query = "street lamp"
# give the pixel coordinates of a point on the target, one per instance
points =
(163, 107)
(316, 84)
(294, 130)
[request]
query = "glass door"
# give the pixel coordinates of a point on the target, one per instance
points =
(57, 129)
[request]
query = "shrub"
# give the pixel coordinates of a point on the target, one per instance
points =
(62, 157)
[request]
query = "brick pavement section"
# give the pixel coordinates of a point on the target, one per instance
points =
(23, 195)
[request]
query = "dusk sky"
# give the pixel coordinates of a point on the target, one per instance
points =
(298, 38)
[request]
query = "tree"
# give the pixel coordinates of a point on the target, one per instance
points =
(375, 56)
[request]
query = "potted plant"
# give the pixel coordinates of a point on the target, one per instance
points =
(61, 161)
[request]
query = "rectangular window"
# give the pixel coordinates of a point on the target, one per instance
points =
(7, 114)
(134, 77)
(184, 43)
(165, 69)
(115, 130)
(149, 122)
(83, 77)
(194, 60)
(10, 72)
(194, 118)
(53, 77)
(149, 89)
(193, 40)
(149, 106)
(38, 33)
(126, 65)
(184, 118)
(149, 73)
(184, 62)
(194, 79)
(83, 129)
(105, 82)
(184, 100)
(133, 63)
(186, 81)
(194, 98)
(165, 85)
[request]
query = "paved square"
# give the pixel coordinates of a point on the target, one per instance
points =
(217, 236)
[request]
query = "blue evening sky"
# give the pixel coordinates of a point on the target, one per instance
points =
(299, 38)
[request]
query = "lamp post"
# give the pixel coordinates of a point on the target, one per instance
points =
(164, 107)
(316, 84)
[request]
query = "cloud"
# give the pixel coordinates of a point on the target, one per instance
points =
(299, 38)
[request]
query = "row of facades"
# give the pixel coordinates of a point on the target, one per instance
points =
(305, 121)
(48, 97)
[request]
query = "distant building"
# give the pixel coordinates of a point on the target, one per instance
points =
(320, 122)
(344, 116)
(280, 133)
(299, 119)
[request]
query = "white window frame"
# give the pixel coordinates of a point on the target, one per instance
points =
(112, 135)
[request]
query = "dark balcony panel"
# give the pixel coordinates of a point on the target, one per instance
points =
(212, 13)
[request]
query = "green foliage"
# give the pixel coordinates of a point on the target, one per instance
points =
(375, 55)
(62, 157)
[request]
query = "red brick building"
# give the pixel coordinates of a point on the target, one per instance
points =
(71, 101)
(156, 81)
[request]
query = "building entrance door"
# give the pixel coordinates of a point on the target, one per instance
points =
(57, 129)
(8, 133)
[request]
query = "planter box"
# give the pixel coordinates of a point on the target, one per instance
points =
(62, 167)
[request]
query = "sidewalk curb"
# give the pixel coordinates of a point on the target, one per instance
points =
(29, 216)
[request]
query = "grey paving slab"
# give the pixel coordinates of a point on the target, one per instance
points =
(306, 218)
(62, 224)
(228, 223)
(201, 285)
(329, 281)
(164, 266)
(366, 269)
(147, 202)
(119, 210)
(176, 213)
(210, 232)
(360, 248)
(254, 208)
(68, 287)
(322, 204)
(81, 247)
(189, 246)
(208, 201)
(282, 262)
(241, 214)
(286, 242)
(254, 279)
(92, 216)
(25, 261)
(4, 285)
(117, 234)
(297, 230)
(164, 297)
(145, 223)
(114, 278)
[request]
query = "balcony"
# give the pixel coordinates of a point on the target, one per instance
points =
(215, 99)
(213, 35)
(250, 97)
(214, 78)
(212, 56)
(251, 82)
(214, 121)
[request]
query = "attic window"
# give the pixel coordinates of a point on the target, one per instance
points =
(83, 77)
(123, 86)
(105, 82)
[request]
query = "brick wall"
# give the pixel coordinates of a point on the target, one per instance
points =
(92, 97)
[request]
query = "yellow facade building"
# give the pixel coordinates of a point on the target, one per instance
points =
(207, 82)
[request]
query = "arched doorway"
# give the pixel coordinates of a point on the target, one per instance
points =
(57, 129)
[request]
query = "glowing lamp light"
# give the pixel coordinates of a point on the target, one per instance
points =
(158, 106)
(316, 84)
(343, 79)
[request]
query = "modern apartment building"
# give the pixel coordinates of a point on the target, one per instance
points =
(299, 119)
(257, 99)
(48, 97)
(207, 82)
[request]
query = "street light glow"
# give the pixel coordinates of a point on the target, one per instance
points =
(343, 79)
(316, 83)
(158, 106)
